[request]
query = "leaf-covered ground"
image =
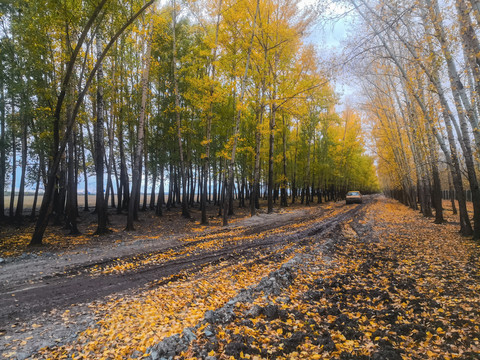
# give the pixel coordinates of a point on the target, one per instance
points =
(14, 238)
(385, 284)
(397, 287)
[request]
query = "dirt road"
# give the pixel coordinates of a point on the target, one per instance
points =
(23, 298)
(368, 281)
(31, 288)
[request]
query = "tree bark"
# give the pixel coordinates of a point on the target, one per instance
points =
(35, 197)
(124, 200)
(109, 162)
(145, 183)
(238, 116)
(136, 173)
(470, 42)
(21, 190)
(154, 184)
(3, 146)
(14, 173)
(85, 174)
(101, 206)
(161, 193)
(60, 193)
(72, 189)
(294, 177)
(255, 194)
(71, 210)
(185, 211)
(451, 194)
(437, 186)
(284, 201)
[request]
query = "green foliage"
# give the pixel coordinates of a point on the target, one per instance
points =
(284, 84)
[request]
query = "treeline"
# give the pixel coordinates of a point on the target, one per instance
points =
(191, 102)
(421, 90)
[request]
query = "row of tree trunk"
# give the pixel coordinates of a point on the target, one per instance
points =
(421, 74)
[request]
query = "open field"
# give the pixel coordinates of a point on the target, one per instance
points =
(28, 201)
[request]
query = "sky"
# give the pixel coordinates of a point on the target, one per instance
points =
(329, 36)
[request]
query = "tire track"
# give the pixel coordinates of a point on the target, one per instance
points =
(59, 292)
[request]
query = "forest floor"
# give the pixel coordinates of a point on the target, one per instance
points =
(368, 281)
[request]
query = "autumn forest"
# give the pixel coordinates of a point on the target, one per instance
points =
(208, 143)
(188, 103)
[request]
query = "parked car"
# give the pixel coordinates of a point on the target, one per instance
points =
(353, 197)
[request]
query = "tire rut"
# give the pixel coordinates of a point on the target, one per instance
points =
(62, 291)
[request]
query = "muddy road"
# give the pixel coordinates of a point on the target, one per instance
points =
(24, 297)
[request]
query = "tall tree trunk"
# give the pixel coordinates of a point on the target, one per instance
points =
(284, 201)
(3, 146)
(238, 116)
(200, 184)
(124, 200)
(294, 177)
(154, 184)
(110, 161)
(455, 172)
(72, 190)
(192, 185)
(161, 193)
(306, 181)
(255, 196)
(145, 183)
(35, 197)
(470, 42)
(71, 210)
(222, 186)
(271, 143)
(21, 190)
(136, 173)
(178, 185)
(451, 194)
(137, 189)
(76, 170)
(85, 174)
(170, 186)
(117, 183)
(273, 112)
(59, 201)
(101, 206)
(185, 211)
(215, 176)
(437, 186)
(14, 174)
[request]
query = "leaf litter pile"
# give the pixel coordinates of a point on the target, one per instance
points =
(386, 285)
